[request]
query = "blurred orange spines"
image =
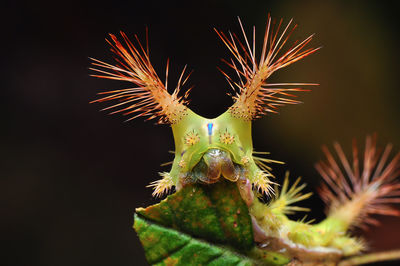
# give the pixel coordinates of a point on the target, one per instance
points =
(149, 97)
(358, 194)
(254, 96)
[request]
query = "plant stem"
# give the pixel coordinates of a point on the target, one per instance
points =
(370, 258)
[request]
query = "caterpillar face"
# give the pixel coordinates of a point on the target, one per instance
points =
(206, 149)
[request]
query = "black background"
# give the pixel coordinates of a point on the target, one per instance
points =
(72, 176)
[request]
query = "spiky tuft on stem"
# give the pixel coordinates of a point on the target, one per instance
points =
(255, 96)
(149, 97)
(353, 196)
(285, 197)
(262, 180)
(263, 183)
(163, 185)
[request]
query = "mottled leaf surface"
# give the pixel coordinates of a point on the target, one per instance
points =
(213, 212)
(201, 225)
(165, 246)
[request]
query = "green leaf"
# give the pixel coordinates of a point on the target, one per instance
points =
(164, 246)
(201, 225)
(213, 212)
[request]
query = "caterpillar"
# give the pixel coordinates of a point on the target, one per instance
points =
(207, 150)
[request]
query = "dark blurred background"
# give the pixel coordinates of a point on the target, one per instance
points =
(72, 176)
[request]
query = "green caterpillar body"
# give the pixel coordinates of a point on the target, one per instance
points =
(207, 150)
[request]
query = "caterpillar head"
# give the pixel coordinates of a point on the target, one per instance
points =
(208, 149)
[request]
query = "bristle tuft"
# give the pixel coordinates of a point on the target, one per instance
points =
(356, 195)
(263, 184)
(162, 186)
(149, 97)
(263, 162)
(285, 197)
(255, 96)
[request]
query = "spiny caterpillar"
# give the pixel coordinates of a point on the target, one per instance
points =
(208, 149)
(205, 149)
